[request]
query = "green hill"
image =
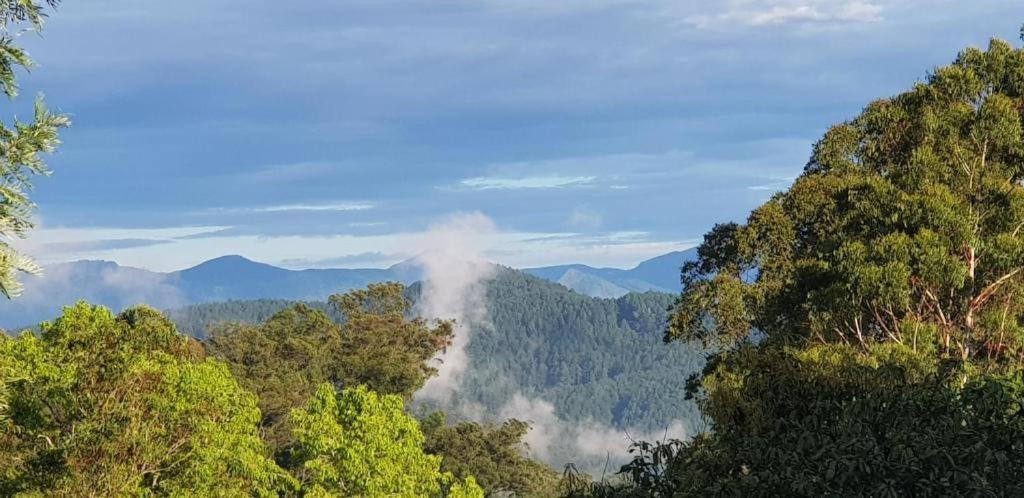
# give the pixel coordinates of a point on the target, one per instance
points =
(598, 361)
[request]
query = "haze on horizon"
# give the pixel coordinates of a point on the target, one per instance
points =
(333, 135)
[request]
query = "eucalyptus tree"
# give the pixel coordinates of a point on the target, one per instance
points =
(870, 319)
(21, 143)
(907, 220)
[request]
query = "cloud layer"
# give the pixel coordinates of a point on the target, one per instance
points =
(370, 119)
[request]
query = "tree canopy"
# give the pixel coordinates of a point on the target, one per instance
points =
(908, 217)
(284, 359)
(360, 443)
(871, 317)
(125, 405)
(493, 454)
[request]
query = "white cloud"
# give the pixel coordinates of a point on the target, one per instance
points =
(776, 185)
(284, 208)
(183, 249)
(65, 244)
(531, 182)
(782, 12)
(553, 439)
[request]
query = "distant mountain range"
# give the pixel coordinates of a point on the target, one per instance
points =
(658, 274)
(235, 277)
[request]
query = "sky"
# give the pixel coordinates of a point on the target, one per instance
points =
(334, 134)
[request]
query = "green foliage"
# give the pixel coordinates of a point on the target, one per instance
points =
(123, 405)
(652, 472)
(359, 443)
(594, 359)
(285, 359)
(835, 420)
(21, 145)
(198, 320)
(493, 454)
(911, 214)
(569, 348)
(874, 312)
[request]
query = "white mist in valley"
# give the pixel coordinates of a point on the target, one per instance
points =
(455, 276)
(588, 444)
(454, 279)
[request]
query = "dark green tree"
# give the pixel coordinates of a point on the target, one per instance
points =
(871, 317)
(493, 454)
(909, 216)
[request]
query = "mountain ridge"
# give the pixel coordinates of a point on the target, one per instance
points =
(233, 277)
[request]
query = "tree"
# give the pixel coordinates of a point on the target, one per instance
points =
(123, 405)
(871, 317)
(381, 347)
(285, 359)
(21, 144)
(359, 443)
(837, 420)
(490, 453)
(909, 216)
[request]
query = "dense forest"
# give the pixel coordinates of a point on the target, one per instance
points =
(548, 342)
(865, 332)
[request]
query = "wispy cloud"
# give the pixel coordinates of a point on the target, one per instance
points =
(284, 208)
(63, 244)
(100, 245)
(184, 247)
(777, 184)
(782, 12)
(530, 182)
(369, 258)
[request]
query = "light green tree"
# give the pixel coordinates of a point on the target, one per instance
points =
(123, 405)
(21, 143)
(360, 443)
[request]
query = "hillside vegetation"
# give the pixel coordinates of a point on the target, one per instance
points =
(599, 360)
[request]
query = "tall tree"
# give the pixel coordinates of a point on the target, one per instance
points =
(908, 217)
(871, 317)
(21, 144)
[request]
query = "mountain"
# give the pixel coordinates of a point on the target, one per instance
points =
(585, 370)
(235, 277)
(658, 274)
(590, 285)
(224, 278)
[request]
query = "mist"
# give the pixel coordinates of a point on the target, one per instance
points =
(455, 277)
(454, 280)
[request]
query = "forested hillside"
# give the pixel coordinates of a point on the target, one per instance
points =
(599, 360)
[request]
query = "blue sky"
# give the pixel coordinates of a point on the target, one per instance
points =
(314, 134)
